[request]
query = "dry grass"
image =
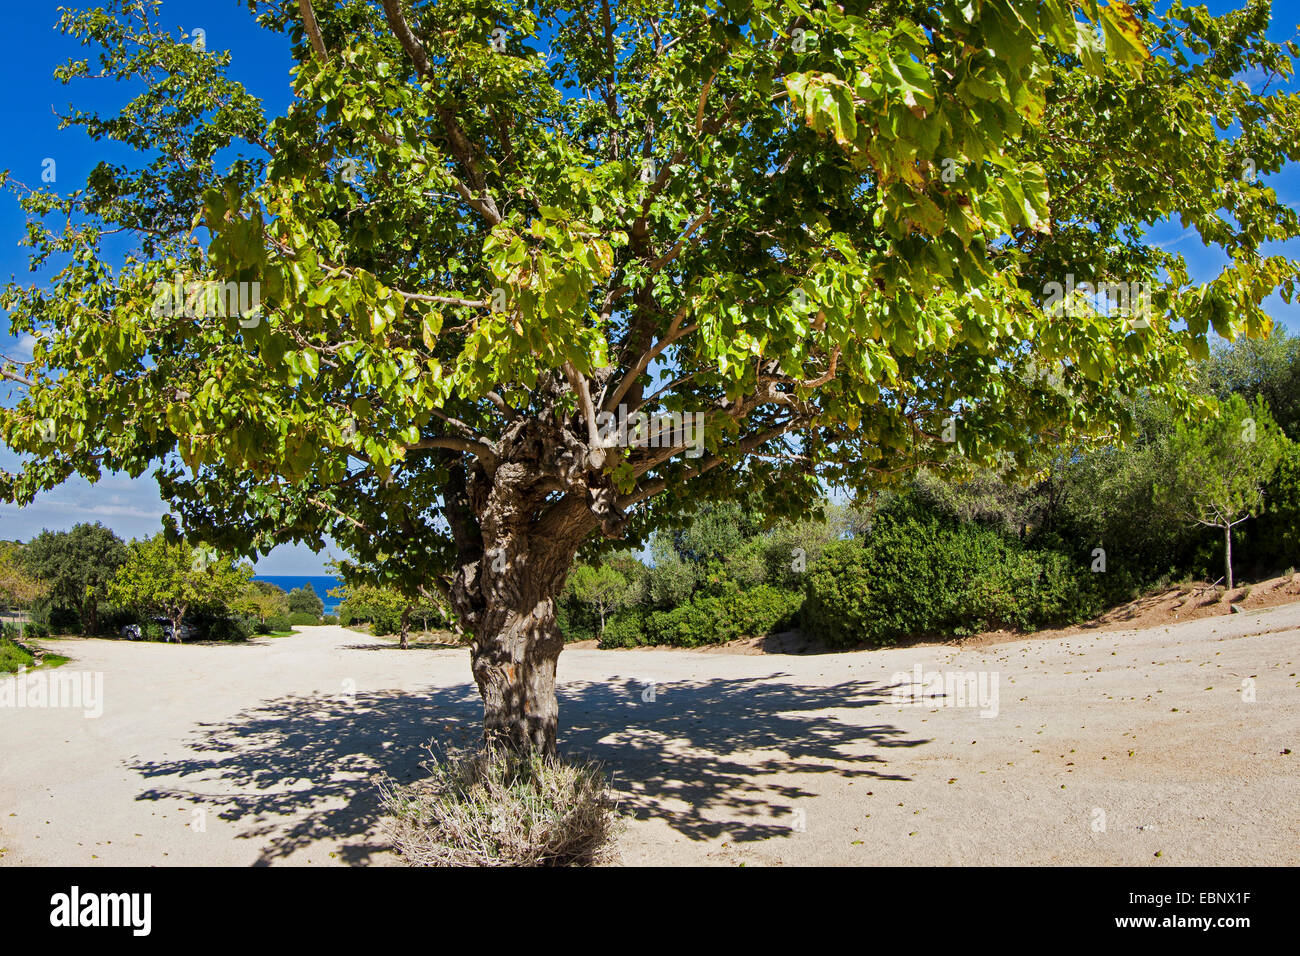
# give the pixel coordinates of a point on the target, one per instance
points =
(499, 808)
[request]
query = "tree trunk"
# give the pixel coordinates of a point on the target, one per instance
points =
(518, 520)
(1227, 556)
(513, 656)
(406, 627)
(516, 639)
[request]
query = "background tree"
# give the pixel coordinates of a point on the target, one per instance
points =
(1222, 467)
(18, 588)
(165, 579)
(264, 600)
(486, 233)
(305, 600)
(77, 566)
(600, 587)
(1267, 368)
(382, 608)
(430, 611)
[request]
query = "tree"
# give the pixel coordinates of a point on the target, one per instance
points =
(384, 608)
(18, 588)
(305, 600)
(1220, 467)
(528, 274)
(1267, 367)
(430, 609)
(166, 579)
(77, 565)
(264, 600)
(601, 587)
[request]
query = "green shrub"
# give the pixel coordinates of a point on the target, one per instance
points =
(1272, 540)
(299, 618)
(921, 573)
(764, 609)
(30, 629)
(671, 581)
(577, 622)
(275, 624)
(627, 628)
(707, 618)
(305, 600)
(837, 598)
(217, 624)
(330, 619)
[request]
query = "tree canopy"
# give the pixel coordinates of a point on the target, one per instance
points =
(1223, 466)
(77, 566)
(507, 274)
(169, 580)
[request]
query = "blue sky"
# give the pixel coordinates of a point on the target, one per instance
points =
(32, 49)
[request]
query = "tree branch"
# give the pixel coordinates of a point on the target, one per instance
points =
(312, 29)
(460, 145)
(449, 443)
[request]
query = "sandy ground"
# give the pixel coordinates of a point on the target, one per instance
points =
(1134, 747)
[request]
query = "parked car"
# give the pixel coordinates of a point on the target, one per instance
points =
(187, 631)
(135, 632)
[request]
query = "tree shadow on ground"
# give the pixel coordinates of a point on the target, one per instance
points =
(707, 757)
(416, 645)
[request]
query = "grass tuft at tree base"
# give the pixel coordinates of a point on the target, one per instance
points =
(497, 807)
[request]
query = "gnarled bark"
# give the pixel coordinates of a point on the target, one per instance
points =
(517, 529)
(514, 660)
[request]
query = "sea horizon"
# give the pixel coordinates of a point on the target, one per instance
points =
(320, 583)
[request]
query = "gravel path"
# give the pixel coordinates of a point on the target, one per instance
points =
(1108, 747)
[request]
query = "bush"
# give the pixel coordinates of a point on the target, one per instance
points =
(921, 573)
(56, 618)
(671, 581)
(274, 624)
(112, 621)
(1272, 539)
(215, 624)
(765, 609)
(228, 627)
(306, 601)
(500, 808)
(837, 602)
(625, 629)
(298, 618)
(330, 619)
(577, 622)
(724, 614)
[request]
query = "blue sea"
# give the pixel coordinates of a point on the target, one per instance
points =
(322, 584)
